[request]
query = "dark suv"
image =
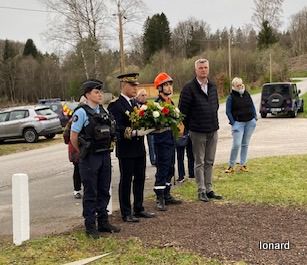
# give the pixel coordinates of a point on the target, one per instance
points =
(280, 98)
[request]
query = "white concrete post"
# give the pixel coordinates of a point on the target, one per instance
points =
(21, 213)
(110, 205)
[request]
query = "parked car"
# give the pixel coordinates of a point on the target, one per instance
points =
(29, 122)
(63, 109)
(280, 98)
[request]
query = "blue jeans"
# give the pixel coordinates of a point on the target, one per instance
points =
(241, 135)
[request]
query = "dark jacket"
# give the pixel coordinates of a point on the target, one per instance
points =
(240, 107)
(125, 148)
(200, 109)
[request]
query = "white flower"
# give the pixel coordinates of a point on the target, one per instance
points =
(143, 107)
(155, 114)
(177, 110)
(158, 105)
(127, 112)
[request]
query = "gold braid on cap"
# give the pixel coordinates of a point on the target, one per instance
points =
(128, 133)
(129, 79)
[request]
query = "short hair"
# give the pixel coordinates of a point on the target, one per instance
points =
(142, 90)
(202, 60)
(237, 81)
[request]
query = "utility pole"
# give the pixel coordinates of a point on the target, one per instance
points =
(121, 38)
(270, 66)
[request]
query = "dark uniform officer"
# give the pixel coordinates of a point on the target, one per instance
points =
(92, 132)
(130, 151)
(164, 148)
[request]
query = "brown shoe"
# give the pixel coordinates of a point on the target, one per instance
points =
(243, 168)
(230, 170)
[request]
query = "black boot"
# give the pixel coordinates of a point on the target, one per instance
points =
(169, 199)
(91, 231)
(105, 226)
(160, 200)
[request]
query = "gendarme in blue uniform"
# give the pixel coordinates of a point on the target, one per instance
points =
(95, 134)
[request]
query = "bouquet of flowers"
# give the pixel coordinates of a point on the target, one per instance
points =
(156, 115)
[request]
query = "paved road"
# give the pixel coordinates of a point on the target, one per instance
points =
(52, 206)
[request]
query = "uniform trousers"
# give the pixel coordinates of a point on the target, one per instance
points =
(132, 171)
(95, 171)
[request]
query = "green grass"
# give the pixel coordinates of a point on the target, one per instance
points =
(298, 74)
(275, 180)
(75, 246)
(21, 146)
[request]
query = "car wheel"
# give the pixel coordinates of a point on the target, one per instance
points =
(30, 135)
(263, 115)
(50, 136)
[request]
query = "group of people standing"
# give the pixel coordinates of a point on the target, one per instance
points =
(94, 129)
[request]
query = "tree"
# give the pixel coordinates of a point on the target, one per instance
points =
(224, 38)
(156, 36)
(80, 22)
(251, 37)
(298, 29)
(9, 51)
(267, 10)
(190, 37)
(266, 36)
(197, 38)
(30, 49)
(8, 71)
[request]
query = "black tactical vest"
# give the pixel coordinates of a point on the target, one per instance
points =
(100, 131)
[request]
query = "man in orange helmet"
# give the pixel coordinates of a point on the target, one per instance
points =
(164, 148)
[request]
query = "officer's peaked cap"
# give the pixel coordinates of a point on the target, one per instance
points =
(90, 84)
(129, 78)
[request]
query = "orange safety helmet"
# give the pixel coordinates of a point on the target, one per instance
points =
(162, 78)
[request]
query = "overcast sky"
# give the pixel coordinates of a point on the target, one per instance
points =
(20, 25)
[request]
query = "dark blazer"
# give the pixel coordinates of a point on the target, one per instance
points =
(200, 110)
(125, 148)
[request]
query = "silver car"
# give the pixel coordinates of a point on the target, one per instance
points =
(28, 122)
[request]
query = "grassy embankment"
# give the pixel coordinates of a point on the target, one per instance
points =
(276, 180)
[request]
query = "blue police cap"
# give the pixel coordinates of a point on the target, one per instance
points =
(90, 84)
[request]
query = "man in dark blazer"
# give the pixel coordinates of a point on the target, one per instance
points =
(130, 151)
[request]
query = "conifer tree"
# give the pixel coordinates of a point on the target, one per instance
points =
(266, 36)
(156, 36)
(30, 49)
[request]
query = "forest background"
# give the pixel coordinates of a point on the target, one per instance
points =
(258, 52)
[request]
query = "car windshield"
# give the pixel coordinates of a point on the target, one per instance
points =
(282, 89)
(44, 111)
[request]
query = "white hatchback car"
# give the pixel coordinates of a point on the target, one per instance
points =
(29, 122)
